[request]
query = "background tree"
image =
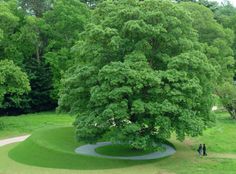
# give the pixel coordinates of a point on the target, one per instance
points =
(9, 25)
(226, 15)
(227, 93)
(66, 21)
(217, 41)
(139, 75)
(24, 42)
(220, 46)
(32, 41)
(37, 36)
(13, 84)
(36, 7)
(212, 5)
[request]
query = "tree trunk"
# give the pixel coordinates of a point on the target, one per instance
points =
(232, 112)
(37, 54)
(233, 115)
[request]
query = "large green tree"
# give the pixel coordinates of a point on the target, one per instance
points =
(139, 75)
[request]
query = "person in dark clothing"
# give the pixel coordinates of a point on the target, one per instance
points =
(204, 150)
(200, 149)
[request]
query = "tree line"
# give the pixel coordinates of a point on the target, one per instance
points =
(37, 36)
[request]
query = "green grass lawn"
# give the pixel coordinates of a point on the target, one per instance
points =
(123, 150)
(19, 125)
(52, 148)
(222, 137)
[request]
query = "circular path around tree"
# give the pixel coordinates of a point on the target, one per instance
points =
(89, 149)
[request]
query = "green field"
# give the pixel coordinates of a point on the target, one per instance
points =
(52, 146)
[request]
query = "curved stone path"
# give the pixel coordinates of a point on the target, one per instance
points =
(89, 149)
(13, 140)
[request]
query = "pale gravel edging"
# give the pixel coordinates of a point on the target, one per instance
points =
(5, 142)
(89, 149)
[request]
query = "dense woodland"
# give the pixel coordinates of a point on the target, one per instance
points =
(37, 36)
(156, 63)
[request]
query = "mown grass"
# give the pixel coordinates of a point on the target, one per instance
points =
(54, 148)
(25, 124)
(123, 150)
(219, 139)
(222, 137)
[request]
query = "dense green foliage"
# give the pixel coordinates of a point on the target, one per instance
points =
(142, 72)
(221, 44)
(217, 41)
(62, 35)
(37, 36)
(226, 15)
(13, 84)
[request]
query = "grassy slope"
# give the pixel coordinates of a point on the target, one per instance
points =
(25, 124)
(185, 161)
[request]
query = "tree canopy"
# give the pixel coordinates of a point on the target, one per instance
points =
(140, 75)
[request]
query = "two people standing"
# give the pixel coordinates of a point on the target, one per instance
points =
(202, 150)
